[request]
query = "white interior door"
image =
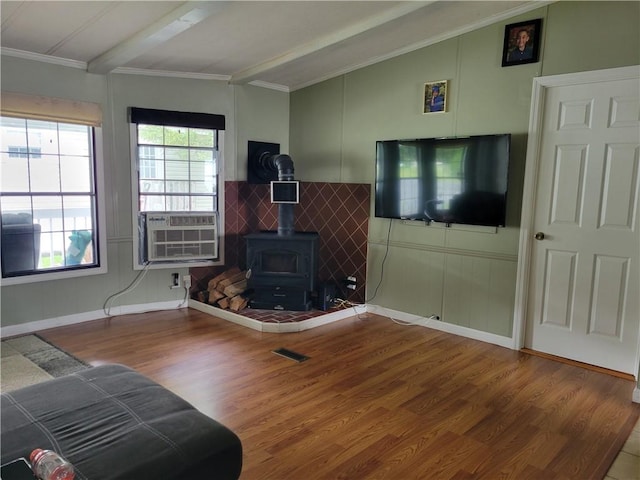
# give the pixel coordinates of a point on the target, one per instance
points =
(584, 279)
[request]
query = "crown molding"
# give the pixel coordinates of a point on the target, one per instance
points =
(271, 86)
(38, 57)
(173, 74)
(65, 62)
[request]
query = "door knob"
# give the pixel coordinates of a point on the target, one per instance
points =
(539, 236)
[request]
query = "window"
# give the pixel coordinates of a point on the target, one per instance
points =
(176, 165)
(48, 198)
(178, 168)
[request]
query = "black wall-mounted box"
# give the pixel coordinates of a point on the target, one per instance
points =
(256, 172)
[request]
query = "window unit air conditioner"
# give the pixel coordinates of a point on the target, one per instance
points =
(181, 236)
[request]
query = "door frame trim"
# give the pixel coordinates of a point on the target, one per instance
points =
(540, 86)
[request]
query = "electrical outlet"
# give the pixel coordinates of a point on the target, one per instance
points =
(350, 282)
(186, 281)
(175, 280)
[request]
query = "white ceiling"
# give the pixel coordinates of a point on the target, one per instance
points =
(285, 45)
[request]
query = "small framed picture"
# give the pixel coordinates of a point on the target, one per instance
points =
(435, 97)
(521, 43)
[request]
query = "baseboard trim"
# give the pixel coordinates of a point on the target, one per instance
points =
(35, 326)
(225, 315)
(635, 397)
(442, 326)
(291, 327)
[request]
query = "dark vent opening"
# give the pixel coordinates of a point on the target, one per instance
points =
(290, 354)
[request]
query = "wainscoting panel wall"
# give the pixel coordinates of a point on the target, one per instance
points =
(339, 212)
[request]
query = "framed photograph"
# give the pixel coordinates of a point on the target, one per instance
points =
(435, 97)
(521, 43)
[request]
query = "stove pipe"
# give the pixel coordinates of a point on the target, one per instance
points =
(284, 165)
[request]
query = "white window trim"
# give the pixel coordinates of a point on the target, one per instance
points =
(135, 190)
(102, 230)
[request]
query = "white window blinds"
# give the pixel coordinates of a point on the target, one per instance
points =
(37, 107)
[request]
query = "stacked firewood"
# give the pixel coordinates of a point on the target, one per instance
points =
(226, 290)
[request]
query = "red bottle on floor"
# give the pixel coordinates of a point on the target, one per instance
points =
(48, 465)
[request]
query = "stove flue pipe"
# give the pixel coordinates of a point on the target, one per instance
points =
(284, 165)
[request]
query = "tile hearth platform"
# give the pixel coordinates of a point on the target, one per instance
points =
(283, 316)
(278, 321)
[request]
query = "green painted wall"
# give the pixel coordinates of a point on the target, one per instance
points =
(466, 275)
(263, 116)
(255, 112)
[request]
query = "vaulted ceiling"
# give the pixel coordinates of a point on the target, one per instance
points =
(285, 45)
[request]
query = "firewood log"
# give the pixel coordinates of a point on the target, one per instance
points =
(214, 296)
(236, 288)
(203, 296)
(237, 303)
(231, 280)
(224, 303)
(213, 283)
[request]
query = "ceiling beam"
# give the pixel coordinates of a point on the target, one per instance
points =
(251, 73)
(175, 22)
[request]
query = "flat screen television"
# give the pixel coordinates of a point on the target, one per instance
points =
(449, 180)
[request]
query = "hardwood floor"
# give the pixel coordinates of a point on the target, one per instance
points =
(376, 400)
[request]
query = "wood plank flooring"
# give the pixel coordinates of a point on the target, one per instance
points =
(376, 400)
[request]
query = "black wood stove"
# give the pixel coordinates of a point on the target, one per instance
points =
(283, 269)
(281, 266)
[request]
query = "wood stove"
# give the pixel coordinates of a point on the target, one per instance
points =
(283, 265)
(283, 269)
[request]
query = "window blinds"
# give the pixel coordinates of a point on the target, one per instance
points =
(183, 119)
(38, 107)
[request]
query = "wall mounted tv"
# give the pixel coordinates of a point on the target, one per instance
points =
(449, 180)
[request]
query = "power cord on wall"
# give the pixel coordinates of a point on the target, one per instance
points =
(384, 259)
(340, 302)
(106, 307)
(432, 316)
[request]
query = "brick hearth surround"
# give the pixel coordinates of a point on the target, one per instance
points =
(339, 212)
